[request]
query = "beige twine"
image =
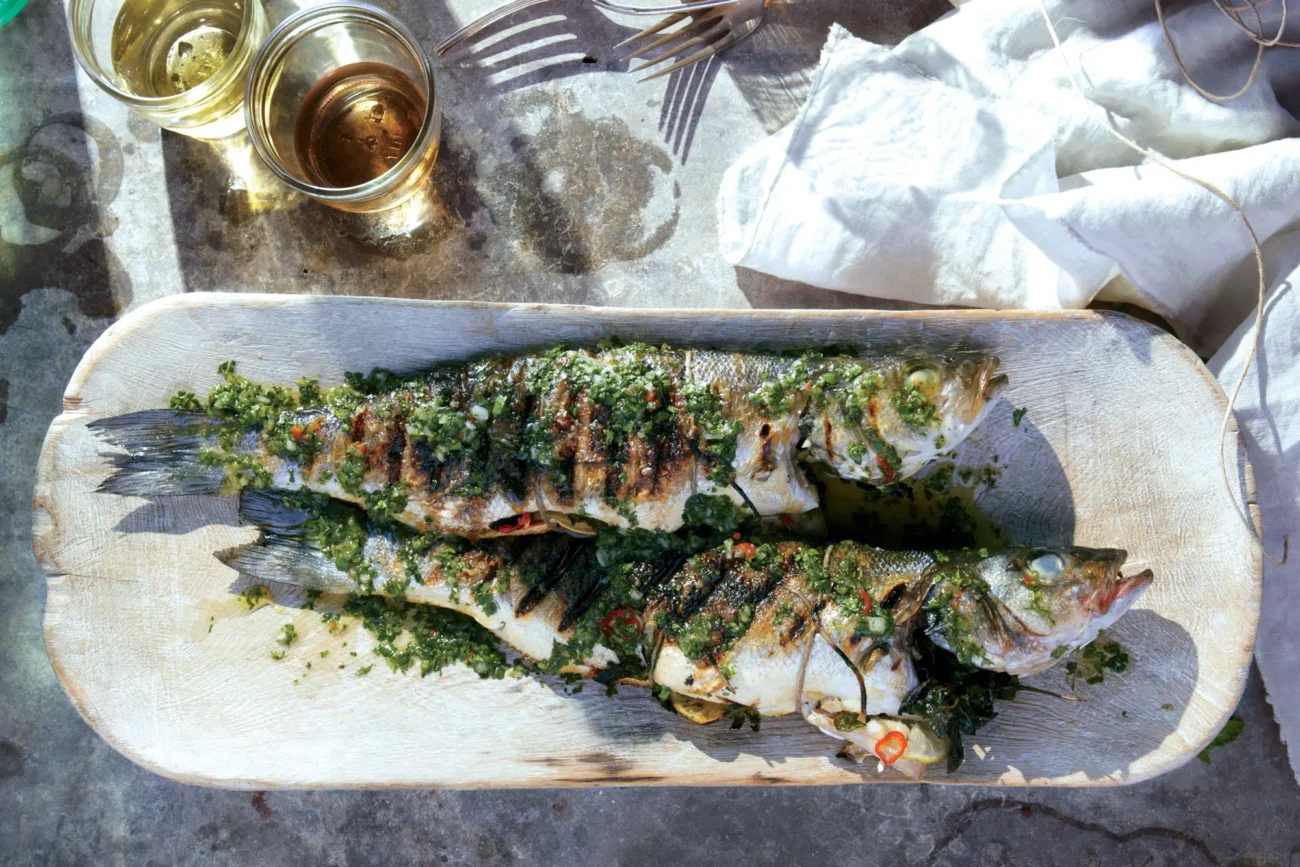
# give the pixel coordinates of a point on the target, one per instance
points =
(1234, 14)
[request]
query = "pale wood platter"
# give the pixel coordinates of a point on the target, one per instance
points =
(1118, 448)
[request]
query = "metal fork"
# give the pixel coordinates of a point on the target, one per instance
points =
(714, 24)
(482, 23)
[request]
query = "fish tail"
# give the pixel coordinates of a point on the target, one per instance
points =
(288, 561)
(273, 512)
(161, 457)
(283, 554)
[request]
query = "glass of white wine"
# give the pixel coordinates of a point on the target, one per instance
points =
(179, 63)
(341, 104)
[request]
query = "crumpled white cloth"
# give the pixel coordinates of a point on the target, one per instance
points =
(962, 168)
(1268, 411)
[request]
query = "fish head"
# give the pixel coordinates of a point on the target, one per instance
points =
(1022, 609)
(928, 404)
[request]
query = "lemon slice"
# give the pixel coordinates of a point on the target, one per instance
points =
(923, 746)
(697, 710)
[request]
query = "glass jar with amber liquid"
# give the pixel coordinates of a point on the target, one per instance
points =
(341, 104)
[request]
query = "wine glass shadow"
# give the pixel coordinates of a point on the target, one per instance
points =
(61, 170)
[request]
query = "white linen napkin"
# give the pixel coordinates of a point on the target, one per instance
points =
(1269, 415)
(962, 168)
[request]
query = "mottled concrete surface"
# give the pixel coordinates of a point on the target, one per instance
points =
(560, 180)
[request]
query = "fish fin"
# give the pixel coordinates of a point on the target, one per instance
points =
(282, 553)
(272, 512)
(288, 561)
(162, 454)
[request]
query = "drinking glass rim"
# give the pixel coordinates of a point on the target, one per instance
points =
(195, 94)
(302, 23)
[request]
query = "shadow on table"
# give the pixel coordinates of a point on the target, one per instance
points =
(554, 41)
(529, 199)
(178, 516)
(764, 291)
(62, 172)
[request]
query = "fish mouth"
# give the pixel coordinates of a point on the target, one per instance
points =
(985, 386)
(1120, 589)
(991, 382)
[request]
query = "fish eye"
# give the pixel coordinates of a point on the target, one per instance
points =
(1047, 568)
(924, 380)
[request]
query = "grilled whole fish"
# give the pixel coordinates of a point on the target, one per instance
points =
(778, 627)
(624, 437)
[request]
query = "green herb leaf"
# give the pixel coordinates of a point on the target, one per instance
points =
(1231, 731)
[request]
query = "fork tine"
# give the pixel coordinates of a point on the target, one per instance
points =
(479, 24)
(730, 39)
(695, 29)
(654, 28)
(708, 37)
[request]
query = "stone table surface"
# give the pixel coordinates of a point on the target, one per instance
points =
(561, 179)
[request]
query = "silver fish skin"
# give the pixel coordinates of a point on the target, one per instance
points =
(1023, 609)
(624, 437)
(779, 627)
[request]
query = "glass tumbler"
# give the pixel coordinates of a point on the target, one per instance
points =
(342, 106)
(178, 63)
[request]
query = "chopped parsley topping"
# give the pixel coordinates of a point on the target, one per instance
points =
(1091, 662)
(430, 639)
(254, 596)
(914, 407)
(716, 436)
(783, 394)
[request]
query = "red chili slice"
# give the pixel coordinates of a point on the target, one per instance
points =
(747, 549)
(891, 747)
(621, 615)
(788, 520)
(886, 468)
(866, 599)
(297, 433)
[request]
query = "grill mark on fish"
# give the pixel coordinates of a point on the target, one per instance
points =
(357, 432)
(585, 594)
(538, 593)
(591, 466)
(396, 450)
(696, 593)
(425, 466)
(766, 449)
(636, 476)
(658, 576)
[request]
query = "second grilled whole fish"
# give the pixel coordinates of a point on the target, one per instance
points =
(623, 437)
(777, 627)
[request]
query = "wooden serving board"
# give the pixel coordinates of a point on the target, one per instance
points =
(1118, 448)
